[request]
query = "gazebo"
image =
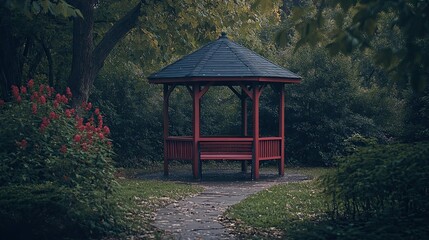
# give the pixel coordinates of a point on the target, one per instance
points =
(224, 63)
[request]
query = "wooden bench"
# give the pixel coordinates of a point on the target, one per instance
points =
(224, 150)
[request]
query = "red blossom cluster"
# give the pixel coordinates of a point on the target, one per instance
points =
(88, 129)
(16, 95)
(22, 144)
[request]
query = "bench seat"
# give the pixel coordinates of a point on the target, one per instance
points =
(225, 156)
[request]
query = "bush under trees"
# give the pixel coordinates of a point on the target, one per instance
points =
(56, 170)
(383, 191)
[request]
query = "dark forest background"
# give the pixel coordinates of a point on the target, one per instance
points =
(364, 71)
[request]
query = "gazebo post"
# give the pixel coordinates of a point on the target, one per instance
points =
(282, 130)
(255, 160)
(166, 126)
(244, 123)
(195, 129)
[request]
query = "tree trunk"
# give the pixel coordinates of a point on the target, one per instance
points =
(10, 57)
(87, 61)
(50, 62)
(81, 73)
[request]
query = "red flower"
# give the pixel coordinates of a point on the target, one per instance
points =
(68, 113)
(41, 88)
(45, 124)
(50, 90)
(84, 147)
(2, 102)
(19, 99)
(15, 92)
(106, 130)
(30, 83)
(97, 111)
(63, 149)
(100, 135)
(23, 144)
(77, 138)
(56, 104)
(53, 115)
(79, 123)
(34, 108)
(23, 90)
(45, 121)
(68, 92)
(64, 99)
(34, 96)
(88, 106)
(42, 100)
(100, 120)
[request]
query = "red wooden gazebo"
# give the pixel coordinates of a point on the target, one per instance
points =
(224, 63)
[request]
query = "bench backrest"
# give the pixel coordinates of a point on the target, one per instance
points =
(225, 147)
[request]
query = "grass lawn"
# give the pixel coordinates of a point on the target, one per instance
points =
(140, 199)
(279, 210)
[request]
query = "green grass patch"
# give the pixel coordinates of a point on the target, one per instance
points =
(300, 211)
(280, 209)
(311, 172)
(279, 206)
(139, 200)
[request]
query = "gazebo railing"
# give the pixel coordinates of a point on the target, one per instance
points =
(270, 148)
(225, 148)
(179, 148)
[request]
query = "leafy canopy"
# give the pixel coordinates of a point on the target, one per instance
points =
(34, 7)
(344, 26)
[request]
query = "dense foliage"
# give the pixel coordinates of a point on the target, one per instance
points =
(379, 192)
(385, 180)
(344, 26)
(56, 171)
(321, 112)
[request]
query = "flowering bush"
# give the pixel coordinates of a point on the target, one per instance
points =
(45, 141)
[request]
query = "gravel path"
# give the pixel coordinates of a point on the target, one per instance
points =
(198, 217)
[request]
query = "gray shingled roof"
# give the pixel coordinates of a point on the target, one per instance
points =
(223, 58)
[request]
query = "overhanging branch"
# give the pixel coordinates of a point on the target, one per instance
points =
(112, 37)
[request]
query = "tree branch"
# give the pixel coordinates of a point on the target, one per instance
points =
(50, 62)
(112, 37)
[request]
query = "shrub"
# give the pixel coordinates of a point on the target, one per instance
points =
(63, 152)
(386, 185)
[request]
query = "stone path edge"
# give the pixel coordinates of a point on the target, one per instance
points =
(199, 216)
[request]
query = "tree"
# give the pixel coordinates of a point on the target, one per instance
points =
(98, 27)
(344, 26)
(320, 111)
(87, 60)
(25, 37)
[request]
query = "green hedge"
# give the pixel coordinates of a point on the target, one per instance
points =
(383, 188)
(49, 211)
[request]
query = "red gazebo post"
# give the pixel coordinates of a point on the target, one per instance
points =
(282, 130)
(256, 149)
(195, 127)
(166, 126)
(243, 98)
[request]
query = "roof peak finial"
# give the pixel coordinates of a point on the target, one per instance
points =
(223, 35)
